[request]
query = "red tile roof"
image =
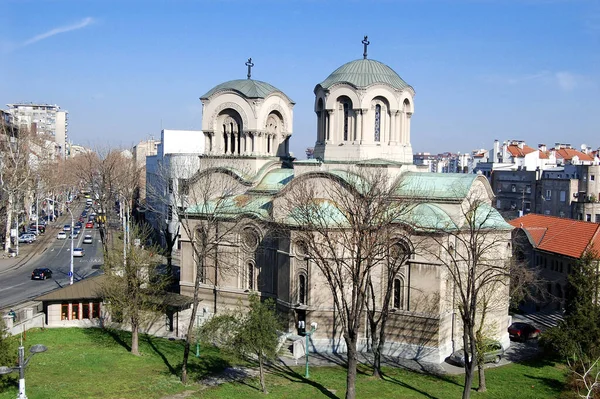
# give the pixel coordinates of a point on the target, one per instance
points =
(567, 237)
(544, 155)
(568, 154)
(515, 151)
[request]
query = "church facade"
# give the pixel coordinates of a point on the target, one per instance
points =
(363, 111)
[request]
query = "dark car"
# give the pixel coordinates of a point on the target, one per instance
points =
(40, 227)
(522, 331)
(41, 274)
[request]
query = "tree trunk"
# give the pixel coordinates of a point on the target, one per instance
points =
(482, 387)
(186, 355)
(134, 337)
(352, 363)
(9, 210)
(262, 374)
(469, 360)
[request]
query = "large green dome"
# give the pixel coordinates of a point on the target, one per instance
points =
(363, 73)
(248, 88)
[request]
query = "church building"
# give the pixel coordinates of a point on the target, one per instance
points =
(363, 111)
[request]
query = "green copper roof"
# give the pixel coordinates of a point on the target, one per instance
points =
(231, 207)
(428, 217)
(274, 180)
(363, 73)
(447, 186)
(248, 88)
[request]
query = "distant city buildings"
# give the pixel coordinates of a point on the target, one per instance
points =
(446, 162)
(41, 119)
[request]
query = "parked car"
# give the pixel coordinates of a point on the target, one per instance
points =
(523, 331)
(78, 252)
(27, 237)
(88, 239)
(67, 227)
(30, 231)
(61, 236)
(41, 274)
(89, 225)
(40, 227)
(493, 353)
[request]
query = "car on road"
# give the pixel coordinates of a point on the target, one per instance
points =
(84, 213)
(78, 252)
(75, 234)
(41, 274)
(88, 239)
(79, 224)
(520, 331)
(67, 227)
(61, 236)
(493, 352)
(89, 225)
(27, 237)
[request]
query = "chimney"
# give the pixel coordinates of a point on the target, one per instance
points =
(542, 147)
(496, 151)
(557, 146)
(520, 144)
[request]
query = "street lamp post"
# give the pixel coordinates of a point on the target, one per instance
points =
(72, 226)
(21, 366)
(307, 334)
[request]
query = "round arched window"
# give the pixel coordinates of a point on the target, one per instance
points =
(249, 238)
(301, 248)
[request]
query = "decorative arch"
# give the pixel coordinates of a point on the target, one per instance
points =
(277, 110)
(250, 238)
(228, 105)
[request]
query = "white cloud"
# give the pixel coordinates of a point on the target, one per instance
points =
(61, 29)
(566, 80)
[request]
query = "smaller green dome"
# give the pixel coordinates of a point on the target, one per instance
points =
(363, 73)
(248, 88)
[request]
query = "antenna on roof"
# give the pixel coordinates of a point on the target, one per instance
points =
(249, 64)
(365, 43)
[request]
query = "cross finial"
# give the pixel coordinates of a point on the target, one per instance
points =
(365, 42)
(249, 64)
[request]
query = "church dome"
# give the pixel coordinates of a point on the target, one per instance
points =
(248, 88)
(364, 73)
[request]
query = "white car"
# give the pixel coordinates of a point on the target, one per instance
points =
(61, 236)
(88, 239)
(27, 237)
(78, 252)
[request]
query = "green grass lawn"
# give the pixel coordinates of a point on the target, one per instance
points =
(94, 363)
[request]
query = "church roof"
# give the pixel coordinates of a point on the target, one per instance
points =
(363, 73)
(248, 88)
(441, 186)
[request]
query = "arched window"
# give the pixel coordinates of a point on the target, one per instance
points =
(232, 139)
(268, 144)
(250, 276)
(398, 293)
(346, 117)
(377, 123)
(302, 289)
(225, 138)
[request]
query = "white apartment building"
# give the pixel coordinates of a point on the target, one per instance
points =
(42, 119)
(176, 159)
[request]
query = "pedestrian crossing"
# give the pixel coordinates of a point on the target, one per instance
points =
(543, 319)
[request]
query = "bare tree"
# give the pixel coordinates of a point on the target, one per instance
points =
(474, 249)
(349, 228)
(199, 198)
(133, 286)
(586, 373)
(20, 157)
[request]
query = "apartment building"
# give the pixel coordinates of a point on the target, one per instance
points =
(42, 119)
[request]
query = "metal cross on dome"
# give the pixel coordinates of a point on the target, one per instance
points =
(365, 42)
(249, 64)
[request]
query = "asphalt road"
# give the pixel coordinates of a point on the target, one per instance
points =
(16, 285)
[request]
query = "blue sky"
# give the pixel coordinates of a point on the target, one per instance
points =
(482, 69)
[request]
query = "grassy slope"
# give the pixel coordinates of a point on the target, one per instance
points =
(94, 363)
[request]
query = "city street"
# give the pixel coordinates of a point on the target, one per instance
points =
(16, 285)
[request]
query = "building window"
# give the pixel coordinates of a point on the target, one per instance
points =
(346, 117)
(592, 177)
(170, 212)
(528, 189)
(250, 276)
(513, 188)
(64, 311)
(588, 217)
(96, 310)
(170, 186)
(302, 289)
(75, 311)
(598, 218)
(377, 123)
(548, 194)
(398, 293)
(563, 196)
